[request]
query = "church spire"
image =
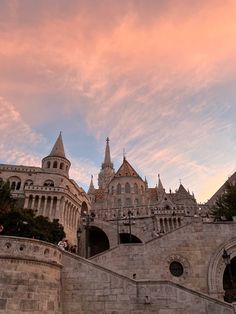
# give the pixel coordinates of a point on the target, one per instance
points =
(160, 186)
(58, 148)
(107, 171)
(107, 159)
(91, 186)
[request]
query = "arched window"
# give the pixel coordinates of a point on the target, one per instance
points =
(15, 183)
(48, 183)
(55, 164)
(142, 190)
(135, 188)
(48, 164)
(28, 183)
(112, 190)
(127, 187)
(118, 188)
(128, 202)
(61, 166)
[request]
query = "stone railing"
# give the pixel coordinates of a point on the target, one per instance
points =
(29, 249)
(41, 189)
(137, 211)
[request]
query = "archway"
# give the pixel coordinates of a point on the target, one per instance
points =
(229, 281)
(98, 241)
(129, 238)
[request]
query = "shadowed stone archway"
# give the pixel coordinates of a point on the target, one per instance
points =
(98, 241)
(217, 269)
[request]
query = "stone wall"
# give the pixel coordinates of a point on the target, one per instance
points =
(30, 277)
(193, 245)
(38, 278)
(90, 289)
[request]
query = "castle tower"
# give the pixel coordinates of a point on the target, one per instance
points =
(56, 161)
(107, 171)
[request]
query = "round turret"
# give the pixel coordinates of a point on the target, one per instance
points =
(56, 161)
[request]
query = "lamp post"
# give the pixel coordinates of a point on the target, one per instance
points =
(129, 222)
(79, 232)
(87, 219)
(226, 259)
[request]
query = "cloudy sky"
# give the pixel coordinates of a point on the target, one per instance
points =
(157, 77)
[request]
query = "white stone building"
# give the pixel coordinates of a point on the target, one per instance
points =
(48, 189)
(127, 210)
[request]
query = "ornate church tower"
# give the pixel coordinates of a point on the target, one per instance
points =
(107, 172)
(56, 161)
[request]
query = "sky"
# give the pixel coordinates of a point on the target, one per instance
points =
(157, 77)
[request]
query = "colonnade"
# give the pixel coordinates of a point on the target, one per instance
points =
(54, 207)
(167, 224)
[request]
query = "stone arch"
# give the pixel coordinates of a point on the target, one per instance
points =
(28, 183)
(62, 166)
(15, 183)
(217, 267)
(54, 164)
(48, 182)
(48, 164)
(98, 241)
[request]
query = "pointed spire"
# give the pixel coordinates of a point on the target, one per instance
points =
(160, 186)
(58, 148)
(91, 186)
(107, 159)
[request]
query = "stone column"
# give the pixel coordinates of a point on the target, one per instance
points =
(33, 200)
(26, 203)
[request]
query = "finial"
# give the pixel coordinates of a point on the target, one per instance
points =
(158, 175)
(107, 140)
(124, 153)
(180, 181)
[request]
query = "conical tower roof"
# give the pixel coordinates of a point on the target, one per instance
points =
(91, 186)
(107, 159)
(126, 170)
(58, 148)
(160, 186)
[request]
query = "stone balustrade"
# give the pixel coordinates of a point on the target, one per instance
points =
(29, 249)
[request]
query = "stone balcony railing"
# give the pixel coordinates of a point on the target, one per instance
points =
(29, 249)
(137, 211)
(42, 189)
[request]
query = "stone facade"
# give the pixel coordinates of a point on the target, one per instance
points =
(48, 189)
(135, 211)
(39, 278)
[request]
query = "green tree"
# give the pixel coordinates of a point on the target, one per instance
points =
(24, 222)
(6, 201)
(226, 204)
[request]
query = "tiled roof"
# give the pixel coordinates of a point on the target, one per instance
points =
(126, 170)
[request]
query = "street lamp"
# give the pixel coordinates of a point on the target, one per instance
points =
(129, 222)
(226, 259)
(87, 219)
(79, 232)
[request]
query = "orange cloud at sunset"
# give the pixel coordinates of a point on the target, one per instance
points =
(155, 76)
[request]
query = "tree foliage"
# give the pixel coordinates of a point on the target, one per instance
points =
(6, 201)
(24, 222)
(226, 204)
